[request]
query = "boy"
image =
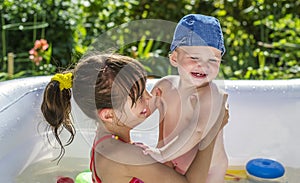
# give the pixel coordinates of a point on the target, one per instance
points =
(193, 109)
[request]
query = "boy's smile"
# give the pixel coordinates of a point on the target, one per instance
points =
(198, 75)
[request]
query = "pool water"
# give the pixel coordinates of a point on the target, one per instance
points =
(47, 171)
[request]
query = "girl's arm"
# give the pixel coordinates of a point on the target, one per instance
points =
(198, 171)
(157, 172)
(126, 161)
(215, 130)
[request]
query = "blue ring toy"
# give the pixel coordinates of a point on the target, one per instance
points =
(265, 168)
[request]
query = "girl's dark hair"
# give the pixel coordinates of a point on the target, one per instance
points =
(99, 81)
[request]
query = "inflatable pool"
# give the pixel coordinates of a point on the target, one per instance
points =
(264, 122)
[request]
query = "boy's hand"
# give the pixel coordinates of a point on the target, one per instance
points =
(156, 153)
(157, 97)
(152, 151)
(225, 118)
(157, 102)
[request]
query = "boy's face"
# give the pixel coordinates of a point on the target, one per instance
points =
(198, 64)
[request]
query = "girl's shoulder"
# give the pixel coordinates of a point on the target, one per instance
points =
(106, 169)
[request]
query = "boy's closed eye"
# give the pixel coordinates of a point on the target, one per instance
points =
(213, 60)
(210, 59)
(194, 58)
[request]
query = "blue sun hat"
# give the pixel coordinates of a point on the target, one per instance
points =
(198, 30)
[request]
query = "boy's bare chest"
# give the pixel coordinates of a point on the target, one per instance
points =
(180, 113)
(176, 116)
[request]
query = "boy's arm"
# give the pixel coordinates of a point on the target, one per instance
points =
(158, 103)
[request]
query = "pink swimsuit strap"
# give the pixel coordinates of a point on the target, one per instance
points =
(92, 162)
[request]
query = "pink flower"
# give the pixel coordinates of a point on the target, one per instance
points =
(32, 52)
(36, 53)
(31, 57)
(37, 45)
(44, 44)
(36, 60)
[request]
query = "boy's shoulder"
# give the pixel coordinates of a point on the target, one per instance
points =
(220, 85)
(167, 81)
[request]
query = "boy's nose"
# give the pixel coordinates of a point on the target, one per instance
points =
(200, 62)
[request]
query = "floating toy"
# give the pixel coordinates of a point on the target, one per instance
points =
(235, 175)
(261, 169)
(84, 177)
(65, 180)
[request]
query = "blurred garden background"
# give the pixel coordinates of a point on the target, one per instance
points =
(262, 37)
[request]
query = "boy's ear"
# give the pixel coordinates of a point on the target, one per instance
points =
(106, 115)
(173, 59)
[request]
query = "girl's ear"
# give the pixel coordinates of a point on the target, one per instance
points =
(173, 59)
(106, 115)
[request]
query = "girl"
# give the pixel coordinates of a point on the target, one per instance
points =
(111, 90)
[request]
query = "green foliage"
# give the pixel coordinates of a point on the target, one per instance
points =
(261, 37)
(155, 64)
(62, 17)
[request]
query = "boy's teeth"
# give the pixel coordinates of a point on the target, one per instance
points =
(199, 74)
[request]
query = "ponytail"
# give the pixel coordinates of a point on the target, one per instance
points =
(56, 108)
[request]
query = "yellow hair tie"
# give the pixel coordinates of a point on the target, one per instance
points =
(65, 80)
